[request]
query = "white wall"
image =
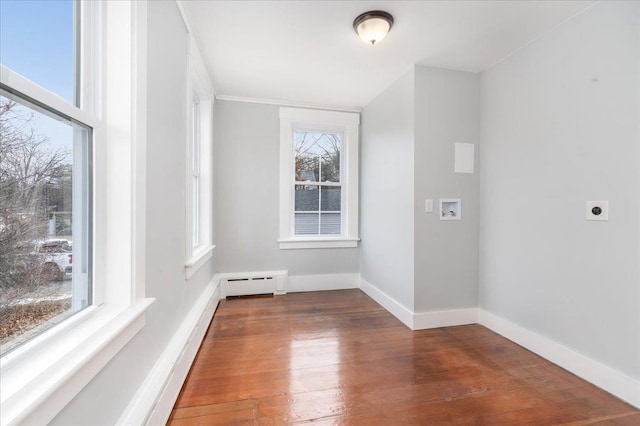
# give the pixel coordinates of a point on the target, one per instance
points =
(560, 127)
(386, 191)
(446, 252)
(246, 167)
(407, 156)
(105, 398)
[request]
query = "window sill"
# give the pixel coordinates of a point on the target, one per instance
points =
(198, 258)
(39, 378)
(311, 243)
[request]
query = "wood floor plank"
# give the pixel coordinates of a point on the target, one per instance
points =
(206, 410)
(241, 417)
(337, 357)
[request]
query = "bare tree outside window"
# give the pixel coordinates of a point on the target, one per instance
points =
(315, 151)
(35, 222)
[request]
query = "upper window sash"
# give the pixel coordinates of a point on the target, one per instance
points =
(319, 129)
(38, 95)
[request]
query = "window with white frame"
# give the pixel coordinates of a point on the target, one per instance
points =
(73, 202)
(199, 246)
(318, 178)
(46, 139)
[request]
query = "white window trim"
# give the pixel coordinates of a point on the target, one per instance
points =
(345, 122)
(39, 378)
(199, 85)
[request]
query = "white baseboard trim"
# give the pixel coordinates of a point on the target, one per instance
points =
(156, 396)
(390, 304)
(612, 381)
(420, 320)
(301, 283)
(448, 318)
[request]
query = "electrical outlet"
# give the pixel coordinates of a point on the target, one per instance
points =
(597, 210)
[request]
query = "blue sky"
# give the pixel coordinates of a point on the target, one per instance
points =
(36, 40)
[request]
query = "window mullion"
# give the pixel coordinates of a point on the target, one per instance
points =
(319, 194)
(319, 209)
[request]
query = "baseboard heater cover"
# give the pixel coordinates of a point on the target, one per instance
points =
(254, 283)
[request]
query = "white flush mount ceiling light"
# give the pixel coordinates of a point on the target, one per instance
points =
(373, 26)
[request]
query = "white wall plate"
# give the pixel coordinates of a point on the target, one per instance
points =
(428, 206)
(463, 155)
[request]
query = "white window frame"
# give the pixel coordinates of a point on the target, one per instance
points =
(199, 147)
(346, 123)
(39, 378)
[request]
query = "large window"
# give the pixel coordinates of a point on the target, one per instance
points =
(72, 196)
(318, 178)
(45, 173)
(199, 245)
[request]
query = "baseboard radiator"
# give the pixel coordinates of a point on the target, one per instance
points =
(253, 283)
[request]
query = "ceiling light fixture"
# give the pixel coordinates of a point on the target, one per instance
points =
(373, 26)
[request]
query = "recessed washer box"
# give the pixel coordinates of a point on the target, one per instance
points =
(597, 210)
(450, 209)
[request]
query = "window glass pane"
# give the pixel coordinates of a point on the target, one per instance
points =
(37, 41)
(306, 223)
(307, 161)
(330, 223)
(195, 212)
(330, 158)
(196, 136)
(44, 238)
(313, 222)
(330, 198)
(307, 198)
(195, 172)
(317, 155)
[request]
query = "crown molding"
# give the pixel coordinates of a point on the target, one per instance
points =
(188, 23)
(288, 103)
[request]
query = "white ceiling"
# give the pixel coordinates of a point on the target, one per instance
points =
(307, 52)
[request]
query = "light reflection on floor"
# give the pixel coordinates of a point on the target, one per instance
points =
(306, 352)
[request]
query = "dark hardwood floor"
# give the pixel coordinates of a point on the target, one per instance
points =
(337, 357)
